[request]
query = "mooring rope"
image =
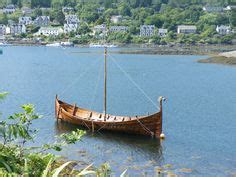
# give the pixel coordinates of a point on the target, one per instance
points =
(135, 84)
(144, 127)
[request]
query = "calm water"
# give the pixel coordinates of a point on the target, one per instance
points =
(199, 117)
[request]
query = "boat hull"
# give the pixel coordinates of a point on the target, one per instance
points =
(150, 125)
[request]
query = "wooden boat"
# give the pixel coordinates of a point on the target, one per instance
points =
(150, 125)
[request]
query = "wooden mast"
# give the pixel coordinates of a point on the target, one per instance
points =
(105, 83)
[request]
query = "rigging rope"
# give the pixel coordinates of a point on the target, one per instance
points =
(79, 77)
(135, 84)
(96, 87)
(63, 90)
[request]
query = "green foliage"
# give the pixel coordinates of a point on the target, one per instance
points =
(3, 95)
(156, 19)
(40, 3)
(233, 18)
(15, 158)
(120, 37)
(3, 19)
(104, 170)
(20, 129)
(156, 40)
(58, 16)
(124, 9)
(84, 39)
(73, 137)
(37, 12)
(31, 29)
(161, 13)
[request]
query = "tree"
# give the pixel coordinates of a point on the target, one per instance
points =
(233, 18)
(3, 19)
(40, 3)
(58, 16)
(227, 39)
(156, 39)
(83, 29)
(156, 20)
(124, 9)
(19, 3)
(37, 12)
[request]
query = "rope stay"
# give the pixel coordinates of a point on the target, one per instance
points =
(79, 77)
(135, 84)
(96, 87)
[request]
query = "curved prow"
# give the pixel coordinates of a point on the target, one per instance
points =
(161, 100)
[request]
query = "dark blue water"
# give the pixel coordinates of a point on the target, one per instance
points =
(199, 117)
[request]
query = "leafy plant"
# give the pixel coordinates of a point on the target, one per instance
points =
(15, 131)
(18, 160)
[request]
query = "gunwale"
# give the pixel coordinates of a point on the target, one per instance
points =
(150, 125)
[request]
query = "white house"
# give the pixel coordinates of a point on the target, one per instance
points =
(25, 20)
(9, 9)
(42, 21)
(213, 9)
(50, 31)
(67, 9)
(118, 29)
(116, 18)
(147, 30)
(2, 29)
(223, 30)
(99, 29)
(71, 19)
(17, 29)
(70, 28)
(26, 10)
(162, 32)
(45, 9)
(8, 30)
(231, 7)
(72, 23)
(186, 29)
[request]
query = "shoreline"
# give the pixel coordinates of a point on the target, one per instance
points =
(151, 49)
(226, 58)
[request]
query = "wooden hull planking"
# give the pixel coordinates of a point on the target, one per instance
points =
(150, 125)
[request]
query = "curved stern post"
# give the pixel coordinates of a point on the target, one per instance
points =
(56, 107)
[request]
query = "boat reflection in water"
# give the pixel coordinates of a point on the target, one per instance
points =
(121, 145)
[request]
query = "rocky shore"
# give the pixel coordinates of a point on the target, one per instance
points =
(176, 49)
(226, 58)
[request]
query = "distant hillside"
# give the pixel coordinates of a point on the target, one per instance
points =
(199, 25)
(109, 3)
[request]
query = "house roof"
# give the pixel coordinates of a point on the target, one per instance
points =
(50, 28)
(43, 17)
(187, 27)
(162, 30)
(222, 27)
